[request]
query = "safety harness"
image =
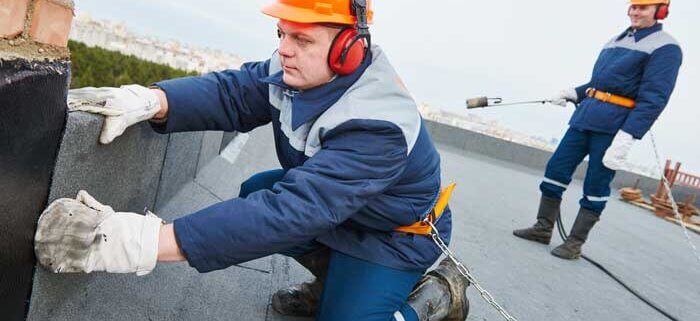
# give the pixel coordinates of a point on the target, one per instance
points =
(425, 226)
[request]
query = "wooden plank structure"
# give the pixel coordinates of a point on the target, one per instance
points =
(660, 202)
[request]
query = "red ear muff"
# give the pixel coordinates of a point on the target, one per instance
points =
(661, 12)
(347, 52)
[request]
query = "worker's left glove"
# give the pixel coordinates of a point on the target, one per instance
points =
(82, 235)
(564, 96)
(616, 155)
(122, 107)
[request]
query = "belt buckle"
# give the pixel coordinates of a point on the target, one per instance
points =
(607, 97)
(590, 91)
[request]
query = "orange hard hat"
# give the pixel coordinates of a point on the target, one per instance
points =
(649, 2)
(316, 11)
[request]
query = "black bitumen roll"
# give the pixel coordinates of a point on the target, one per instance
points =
(32, 118)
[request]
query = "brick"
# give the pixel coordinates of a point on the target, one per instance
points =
(51, 23)
(12, 14)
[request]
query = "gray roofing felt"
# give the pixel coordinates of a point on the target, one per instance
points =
(493, 197)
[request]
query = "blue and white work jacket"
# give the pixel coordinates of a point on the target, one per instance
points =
(641, 65)
(358, 159)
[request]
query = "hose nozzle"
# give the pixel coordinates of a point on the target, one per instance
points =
(481, 102)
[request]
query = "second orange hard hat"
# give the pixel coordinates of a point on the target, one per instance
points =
(316, 11)
(649, 2)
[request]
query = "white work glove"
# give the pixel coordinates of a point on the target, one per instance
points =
(564, 96)
(616, 155)
(123, 106)
(82, 235)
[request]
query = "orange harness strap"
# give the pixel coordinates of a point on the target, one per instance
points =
(610, 98)
(422, 227)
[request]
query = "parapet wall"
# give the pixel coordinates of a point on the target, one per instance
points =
(536, 158)
(138, 170)
(172, 175)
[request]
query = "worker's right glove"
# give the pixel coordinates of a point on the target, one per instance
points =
(565, 96)
(82, 235)
(123, 106)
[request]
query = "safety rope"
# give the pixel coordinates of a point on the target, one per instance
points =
(667, 186)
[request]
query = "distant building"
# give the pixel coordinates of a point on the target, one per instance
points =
(487, 127)
(116, 36)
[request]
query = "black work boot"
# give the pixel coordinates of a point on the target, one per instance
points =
(571, 248)
(546, 216)
(302, 300)
(441, 294)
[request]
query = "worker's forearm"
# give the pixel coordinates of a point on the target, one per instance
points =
(163, 113)
(168, 250)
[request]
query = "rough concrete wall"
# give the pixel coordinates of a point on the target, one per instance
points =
(188, 154)
(124, 174)
(179, 166)
(535, 158)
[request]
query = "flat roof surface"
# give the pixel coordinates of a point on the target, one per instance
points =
(649, 254)
(492, 198)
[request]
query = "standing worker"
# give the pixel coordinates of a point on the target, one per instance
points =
(631, 84)
(359, 177)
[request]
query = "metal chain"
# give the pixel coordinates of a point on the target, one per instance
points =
(667, 185)
(467, 274)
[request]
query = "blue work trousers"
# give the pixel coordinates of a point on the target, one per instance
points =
(354, 289)
(571, 151)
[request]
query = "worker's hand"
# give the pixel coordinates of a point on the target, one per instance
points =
(616, 155)
(82, 235)
(122, 107)
(564, 96)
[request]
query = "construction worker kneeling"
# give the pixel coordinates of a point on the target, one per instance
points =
(631, 84)
(357, 166)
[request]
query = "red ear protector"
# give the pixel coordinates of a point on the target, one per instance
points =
(349, 48)
(347, 52)
(662, 11)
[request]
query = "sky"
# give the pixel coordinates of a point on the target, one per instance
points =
(450, 50)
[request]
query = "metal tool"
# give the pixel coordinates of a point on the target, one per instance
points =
(481, 102)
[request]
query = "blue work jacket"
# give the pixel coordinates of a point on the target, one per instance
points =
(641, 65)
(358, 159)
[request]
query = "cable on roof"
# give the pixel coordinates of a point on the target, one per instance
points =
(564, 236)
